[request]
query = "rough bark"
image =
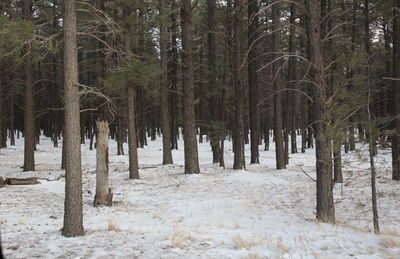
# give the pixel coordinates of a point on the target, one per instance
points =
(189, 116)
(253, 80)
(29, 125)
(276, 42)
(325, 206)
(103, 195)
(239, 158)
(73, 212)
(165, 113)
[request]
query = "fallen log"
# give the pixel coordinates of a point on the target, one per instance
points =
(21, 181)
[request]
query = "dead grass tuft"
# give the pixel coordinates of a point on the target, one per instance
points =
(113, 226)
(240, 243)
(390, 242)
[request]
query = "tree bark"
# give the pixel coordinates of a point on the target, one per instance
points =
(396, 92)
(29, 124)
(165, 113)
(103, 195)
(73, 212)
(252, 65)
(276, 42)
(325, 206)
(239, 158)
(189, 116)
(132, 138)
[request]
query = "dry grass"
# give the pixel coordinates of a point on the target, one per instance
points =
(241, 243)
(253, 256)
(180, 237)
(113, 226)
(390, 242)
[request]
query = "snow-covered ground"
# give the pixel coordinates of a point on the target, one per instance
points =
(257, 213)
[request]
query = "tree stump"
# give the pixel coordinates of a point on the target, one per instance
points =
(103, 195)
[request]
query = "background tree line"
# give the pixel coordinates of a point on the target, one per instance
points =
(327, 70)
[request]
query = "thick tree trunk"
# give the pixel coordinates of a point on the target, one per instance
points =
(165, 113)
(189, 116)
(396, 92)
(73, 214)
(325, 206)
(29, 125)
(239, 158)
(276, 42)
(253, 80)
(103, 195)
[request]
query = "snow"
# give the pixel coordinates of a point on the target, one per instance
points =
(259, 212)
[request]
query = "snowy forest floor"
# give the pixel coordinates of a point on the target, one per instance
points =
(257, 213)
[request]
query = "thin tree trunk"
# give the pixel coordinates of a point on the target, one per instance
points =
(166, 127)
(73, 212)
(252, 65)
(132, 138)
(276, 42)
(239, 158)
(189, 116)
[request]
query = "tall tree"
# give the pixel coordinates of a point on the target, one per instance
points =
(73, 212)
(252, 66)
(239, 158)
(325, 206)
(276, 73)
(165, 112)
(189, 116)
(29, 124)
(396, 91)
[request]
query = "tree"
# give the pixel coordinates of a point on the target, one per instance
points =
(325, 206)
(189, 116)
(73, 212)
(276, 72)
(29, 124)
(396, 91)
(252, 65)
(165, 113)
(103, 195)
(239, 159)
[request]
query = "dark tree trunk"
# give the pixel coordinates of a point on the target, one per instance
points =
(252, 66)
(325, 206)
(165, 113)
(189, 116)
(29, 124)
(214, 131)
(73, 214)
(132, 138)
(239, 159)
(276, 42)
(396, 92)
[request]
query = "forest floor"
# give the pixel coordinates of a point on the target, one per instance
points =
(257, 213)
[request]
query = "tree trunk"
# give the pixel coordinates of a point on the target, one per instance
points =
(165, 113)
(103, 195)
(29, 125)
(132, 138)
(73, 215)
(252, 65)
(189, 116)
(239, 158)
(325, 206)
(276, 42)
(396, 92)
